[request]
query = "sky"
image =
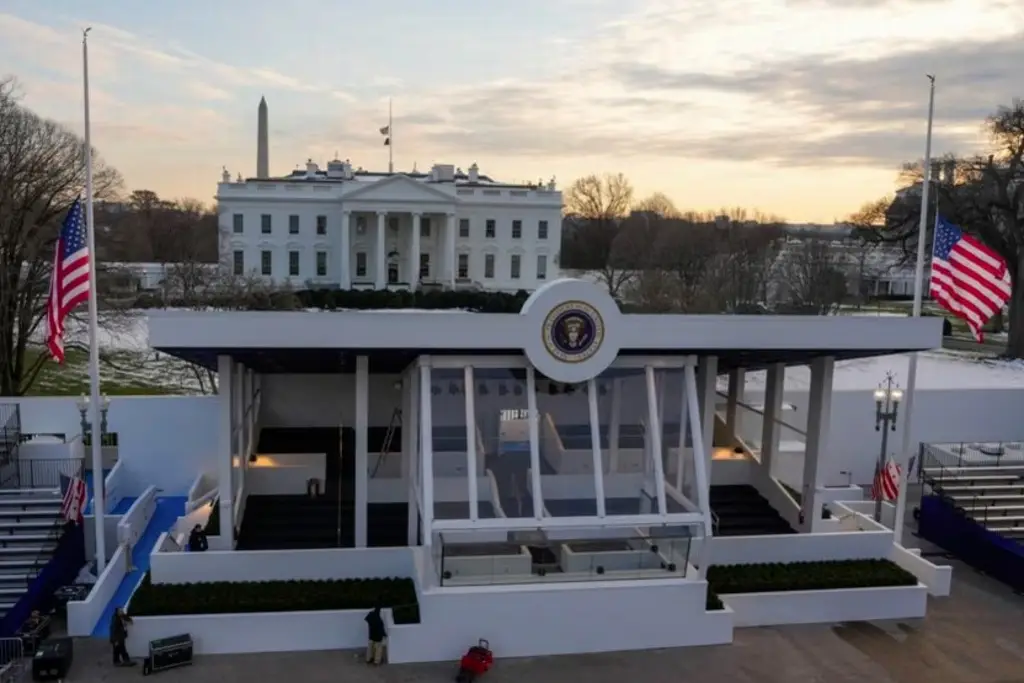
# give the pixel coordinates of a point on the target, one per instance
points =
(801, 108)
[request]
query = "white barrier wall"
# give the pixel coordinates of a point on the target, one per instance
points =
(827, 606)
(938, 579)
(134, 522)
(163, 440)
(84, 614)
(110, 523)
(858, 545)
(113, 487)
(281, 565)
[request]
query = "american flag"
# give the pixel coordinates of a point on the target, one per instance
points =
(886, 485)
(968, 279)
(74, 499)
(69, 282)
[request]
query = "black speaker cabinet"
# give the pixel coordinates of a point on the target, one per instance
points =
(167, 653)
(52, 660)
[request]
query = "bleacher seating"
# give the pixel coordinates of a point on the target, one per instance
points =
(991, 495)
(741, 511)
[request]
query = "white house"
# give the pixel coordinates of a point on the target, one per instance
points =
(349, 228)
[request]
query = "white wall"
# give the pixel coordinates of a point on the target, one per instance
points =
(280, 565)
(163, 440)
(110, 523)
(134, 522)
(828, 606)
(859, 545)
(83, 614)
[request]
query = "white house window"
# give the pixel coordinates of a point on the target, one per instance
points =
(489, 266)
(514, 266)
(424, 227)
(489, 229)
(321, 263)
(542, 230)
(239, 223)
(321, 225)
(293, 263)
(517, 230)
(542, 266)
(360, 264)
(265, 224)
(238, 262)
(463, 266)
(424, 265)
(463, 227)
(266, 262)
(293, 224)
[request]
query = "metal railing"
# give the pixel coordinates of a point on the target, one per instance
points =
(10, 432)
(977, 454)
(13, 665)
(39, 473)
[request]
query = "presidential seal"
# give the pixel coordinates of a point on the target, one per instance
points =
(573, 331)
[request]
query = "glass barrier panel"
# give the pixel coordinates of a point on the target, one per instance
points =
(629, 481)
(451, 472)
(568, 481)
(503, 433)
(568, 555)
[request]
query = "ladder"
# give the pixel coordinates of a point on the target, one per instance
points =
(389, 438)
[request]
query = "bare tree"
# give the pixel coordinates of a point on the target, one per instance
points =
(658, 204)
(811, 277)
(41, 174)
(984, 195)
(599, 206)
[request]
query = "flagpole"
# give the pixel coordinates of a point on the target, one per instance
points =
(98, 502)
(391, 141)
(922, 237)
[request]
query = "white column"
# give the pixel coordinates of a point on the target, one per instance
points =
(449, 249)
(737, 382)
(362, 400)
(701, 471)
(412, 422)
(707, 381)
(595, 446)
(345, 257)
(381, 279)
(224, 386)
(654, 416)
(531, 404)
(414, 252)
(474, 506)
(238, 400)
(684, 401)
(426, 453)
(771, 429)
(819, 414)
(613, 428)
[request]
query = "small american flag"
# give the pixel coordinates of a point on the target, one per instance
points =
(968, 279)
(69, 282)
(886, 485)
(74, 500)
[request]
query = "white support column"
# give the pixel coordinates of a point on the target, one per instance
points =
(771, 429)
(238, 400)
(653, 415)
(345, 260)
(684, 404)
(426, 453)
(701, 472)
(707, 381)
(414, 252)
(381, 252)
(595, 446)
(737, 384)
(412, 425)
(449, 249)
(224, 386)
(531, 404)
(819, 415)
(362, 401)
(614, 427)
(474, 507)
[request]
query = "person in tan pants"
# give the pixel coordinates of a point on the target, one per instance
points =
(377, 637)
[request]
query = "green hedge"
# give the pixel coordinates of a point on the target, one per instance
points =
(714, 602)
(798, 576)
(222, 597)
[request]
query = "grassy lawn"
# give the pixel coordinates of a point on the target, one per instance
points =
(122, 373)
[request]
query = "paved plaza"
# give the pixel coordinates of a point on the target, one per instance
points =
(974, 636)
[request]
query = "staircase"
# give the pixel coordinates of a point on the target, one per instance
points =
(741, 511)
(30, 522)
(992, 496)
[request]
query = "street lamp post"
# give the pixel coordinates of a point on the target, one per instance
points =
(83, 412)
(887, 400)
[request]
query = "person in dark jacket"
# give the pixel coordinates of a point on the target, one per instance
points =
(197, 541)
(118, 636)
(377, 637)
